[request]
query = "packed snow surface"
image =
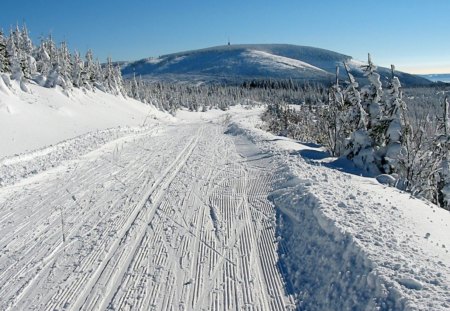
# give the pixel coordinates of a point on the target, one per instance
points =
(207, 212)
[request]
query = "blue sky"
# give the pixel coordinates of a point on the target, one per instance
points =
(412, 34)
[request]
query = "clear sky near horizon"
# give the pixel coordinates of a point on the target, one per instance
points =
(412, 34)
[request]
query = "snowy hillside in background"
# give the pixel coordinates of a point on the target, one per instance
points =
(235, 63)
(438, 77)
(47, 116)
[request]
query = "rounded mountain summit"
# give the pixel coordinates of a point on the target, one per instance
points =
(243, 62)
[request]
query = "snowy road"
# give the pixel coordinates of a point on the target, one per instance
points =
(174, 218)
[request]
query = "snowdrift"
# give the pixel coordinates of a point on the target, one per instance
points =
(349, 243)
(45, 116)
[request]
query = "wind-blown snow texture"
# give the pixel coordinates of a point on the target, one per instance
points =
(235, 63)
(196, 213)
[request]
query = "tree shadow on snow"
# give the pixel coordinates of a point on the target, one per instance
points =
(323, 158)
(345, 165)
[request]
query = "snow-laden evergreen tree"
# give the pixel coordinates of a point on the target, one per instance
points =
(14, 58)
(119, 81)
(355, 120)
(89, 70)
(4, 61)
(20, 54)
(26, 54)
(133, 91)
(335, 138)
(98, 77)
(109, 73)
(77, 75)
(25, 42)
(441, 153)
(393, 123)
(51, 49)
(43, 63)
(356, 117)
(54, 77)
(65, 65)
(371, 100)
(365, 144)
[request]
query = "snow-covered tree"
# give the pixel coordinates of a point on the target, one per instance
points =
(14, 58)
(393, 123)
(109, 76)
(88, 72)
(26, 54)
(77, 75)
(364, 144)
(371, 98)
(4, 61)
(43, 63)
(356, 116)
(65, 65)
(25, 42)
(335, 137)
(358, 145)
(98, 76)
(133, 91)
(441, 153)
(51, 48)
(119, 80)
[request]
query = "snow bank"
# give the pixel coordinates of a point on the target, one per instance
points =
(47, 116)
(349, 243)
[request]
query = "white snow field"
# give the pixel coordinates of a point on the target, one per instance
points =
(47, 116)
(207, 212)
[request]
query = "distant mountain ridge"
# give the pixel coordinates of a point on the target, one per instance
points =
(236, 63)
(438, 77)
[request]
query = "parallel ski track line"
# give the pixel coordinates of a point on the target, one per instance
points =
(31, 265)
(140, 220)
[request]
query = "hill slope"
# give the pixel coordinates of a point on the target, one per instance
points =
(47, 116)
(234, 63)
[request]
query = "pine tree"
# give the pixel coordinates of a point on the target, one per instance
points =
(21, 54)
(98, 77)
(355, 120)
(335, 136)
(4, 61)
(65, 65)
(51, 48)
(372, 95)
(365, 144)
(26, 43)
(356, 115)
(134, 89)
(43, 63)
(110, 81)
(77, 75)
(393, 124)
(441, 153)
(89, 70)
(14, 58)
(119, 80)
(26, 50)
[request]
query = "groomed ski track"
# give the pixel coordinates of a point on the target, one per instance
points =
(172, 218)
